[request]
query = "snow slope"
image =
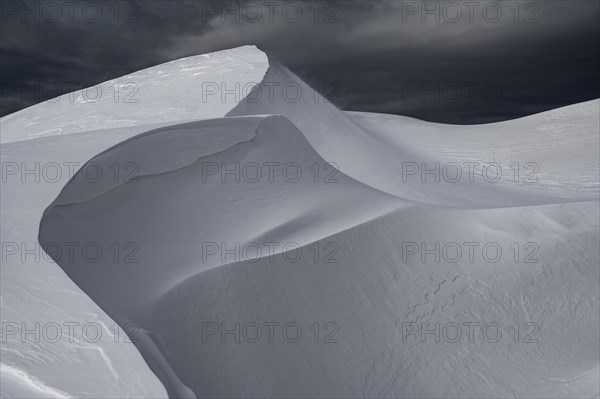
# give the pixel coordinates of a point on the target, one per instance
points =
(221, 252)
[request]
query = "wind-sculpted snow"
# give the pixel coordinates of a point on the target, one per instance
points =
(384, 152)
(178, 207)
(185, 167)
(256, 269)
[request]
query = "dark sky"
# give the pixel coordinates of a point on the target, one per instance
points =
(445, 61)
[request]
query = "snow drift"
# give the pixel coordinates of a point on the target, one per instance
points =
(346, 285)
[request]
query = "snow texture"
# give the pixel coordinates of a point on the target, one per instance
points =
(347, 276)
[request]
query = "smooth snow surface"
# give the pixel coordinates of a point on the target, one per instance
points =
(351, 274)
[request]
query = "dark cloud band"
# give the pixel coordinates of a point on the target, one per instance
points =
(446, 61)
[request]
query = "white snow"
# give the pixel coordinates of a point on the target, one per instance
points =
(23, 383)
(181, 205)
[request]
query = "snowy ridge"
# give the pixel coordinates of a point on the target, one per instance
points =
(377, 152)
(177, 91)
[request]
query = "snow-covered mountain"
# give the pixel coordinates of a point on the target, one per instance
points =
(260, 270)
